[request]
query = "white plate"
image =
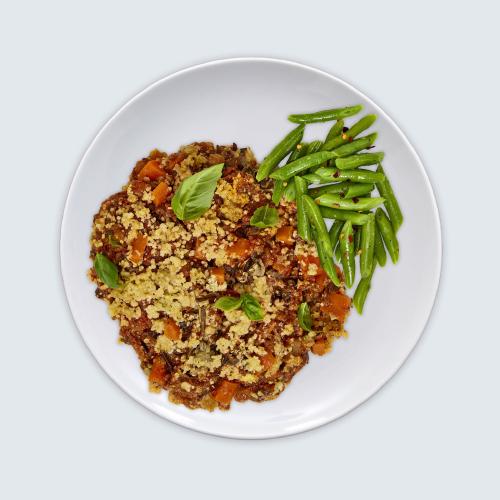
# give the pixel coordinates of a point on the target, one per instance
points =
(247, 101)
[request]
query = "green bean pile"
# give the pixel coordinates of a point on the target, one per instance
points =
(342, 192)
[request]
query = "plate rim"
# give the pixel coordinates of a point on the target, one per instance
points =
(177, 418)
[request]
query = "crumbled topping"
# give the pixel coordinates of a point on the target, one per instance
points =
(172, 272)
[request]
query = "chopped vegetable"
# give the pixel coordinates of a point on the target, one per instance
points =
(171, 329)
(225, 392)
(240, 248)
(152, 170)
(285, 235)
(158, 373)
(267, 361)
(337, 305)
(320, 347)
(138, 247)
(198, 254)
(160, 194)
(219, 274)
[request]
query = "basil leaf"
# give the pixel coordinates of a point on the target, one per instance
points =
(106, 270)
(265, 217)
(251, 307)
(227, 303)
(304, 315)
(195, 194)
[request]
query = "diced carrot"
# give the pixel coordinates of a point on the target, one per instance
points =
(160, 194)
(151, 170)
(320, 347)
(198, 254)
(171, 329)
(138, 247)
(240, 248)
(267, 360)
(219, 274)
(225, 392)
(284, 234)
(336, 304)
(158, 373)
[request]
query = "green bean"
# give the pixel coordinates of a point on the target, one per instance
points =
(338, 253)
(321, 238)
(359, 160)
(336, 130)
(364, 285)
(340, 187)
(289, 192)
(346, 189)
(379, 249)
(279, 186)
(333, 213)
(313, 147)
(354, 190)
(391, 203)
(353, 147)
(298, 151)
(334, 232)
(357, 239)
(316, 219)
(388, 234)
(326, 260)
(312, 178)
(304, 163)
(355, 130)
(325, 115)
(367, 247)
(279, 152)
(359, 204)
(358, 175)
(303, 227)
(347, 253)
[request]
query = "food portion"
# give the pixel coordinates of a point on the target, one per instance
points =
(222, 273)
(210, 282)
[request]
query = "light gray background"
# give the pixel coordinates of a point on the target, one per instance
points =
(68, 432)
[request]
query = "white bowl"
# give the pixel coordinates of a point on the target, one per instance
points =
(247, 101)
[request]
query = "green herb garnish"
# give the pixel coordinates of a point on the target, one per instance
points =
(246, 302)
(251, 307)
(106, 270)
(195, 194)
(304, 315)
(265, 217)
(228, 303)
